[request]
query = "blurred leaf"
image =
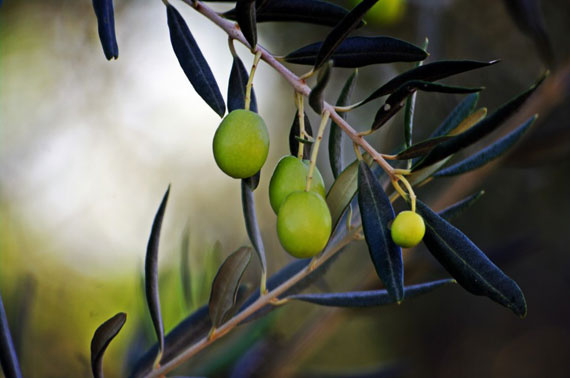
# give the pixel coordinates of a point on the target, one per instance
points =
(106, 27)
(478, 131)
(369, 298)
(336, 133)
(409, 110)
(317, 95)
(237, 86)
(101, 339)
(251, 224)
(294, 134)
(468, 264)
(245, 15)
(428, 72)
(307, 11)
(457, 115)
(489, 153)
(361, 51)
(421, 148)
(528, 17)
(185, 279)
(226, 283)
(192, 61)
(396, 100)
(377, 212)
(456, 209)
(8, 357)
(341, 31)
(151, 272)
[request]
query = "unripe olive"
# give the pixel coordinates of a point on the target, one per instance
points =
(241, 144)
(408, 229)
(290, 175)
(304, 224)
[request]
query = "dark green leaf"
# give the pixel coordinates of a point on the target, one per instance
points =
(456, 209)
(226, 283)
(428, 72)
(151, 272)
(478, 131)
(369, 298)
(342, 191)
(294, 134)
(341, 31)
(317, 95)
(307, 11)
(185, 268)
(409, 110)
(336, 133)
(192, 61)
(458, 114)
(489, 153)
(251, 224)
(421, 148)
(101, 339)
(377, 212)
(468, 264)
(361, 51)
(245, 15)
(237, 86)
(8, 358)
(396, 100)
(106, 27)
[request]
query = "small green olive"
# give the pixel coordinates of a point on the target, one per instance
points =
(290, 175)
(304, 224)
(408, 229)
(241, 144)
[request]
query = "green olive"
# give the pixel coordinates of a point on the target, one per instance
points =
(290, 175)
(241, 144)
(408, 229)
(304, 224)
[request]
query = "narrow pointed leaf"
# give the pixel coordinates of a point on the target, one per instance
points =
(341, 31)
(421, 148)
(8, 357)
(357, 52)
(193, 62)
(487, 154)
(377, 212)
(237, 86)
(396, 100)
(151, 272)
(317, 95)
(458, 114)
(409, 110)
(428, 72)
(106, 27)
(251, 224)
(226, 283)
(245, 16)
(185, 278)
(478, 131)
(468, 264)
(369, 298)
(294, 134)
(101, 340)
(336, 133)
(306, 11)
(456, 209)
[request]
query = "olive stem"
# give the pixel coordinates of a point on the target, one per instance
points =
(301, 118)
(250, 79)
(315, 152)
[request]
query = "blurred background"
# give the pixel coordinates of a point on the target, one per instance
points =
(88, 147)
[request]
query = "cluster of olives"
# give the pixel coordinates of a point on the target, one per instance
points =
(241, 145)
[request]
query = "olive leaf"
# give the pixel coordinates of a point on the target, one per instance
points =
(251, 224)
(421, 148)
(151, 272)
(103, 336)
(336, 133)
(343, 190)
(409, 110)
(106, 27)
(193, 62)
(8, 357)
(294, 135)
(468, 264)
(185, 278)
(317, 96)
(369, 298)
(457, 208)
(245, 16)
(457, 115)
(376, 213)
(489, 153)
(356, 52)
(341, 31)
(237, 87)
(307, 11)
(226, 283)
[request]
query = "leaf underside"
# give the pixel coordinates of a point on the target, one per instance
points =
(106, 27)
